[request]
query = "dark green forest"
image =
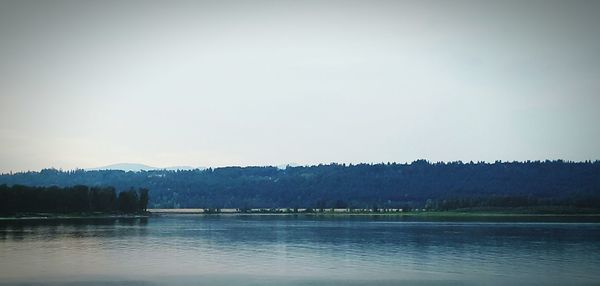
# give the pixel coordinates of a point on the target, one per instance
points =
(419, 184)
(77, 199)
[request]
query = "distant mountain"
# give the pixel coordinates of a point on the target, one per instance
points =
(125, 167)
(175, 168)
(139, 167)
(284, 166)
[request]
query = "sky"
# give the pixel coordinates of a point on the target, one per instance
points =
(218, 83)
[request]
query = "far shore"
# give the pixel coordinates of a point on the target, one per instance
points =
(52, 216)
(419, 213)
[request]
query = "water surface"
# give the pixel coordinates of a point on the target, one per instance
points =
(302, 250)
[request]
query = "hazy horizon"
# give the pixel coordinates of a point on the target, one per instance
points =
(218, 83)
(135, 167)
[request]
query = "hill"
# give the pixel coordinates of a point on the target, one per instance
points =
(418, 184)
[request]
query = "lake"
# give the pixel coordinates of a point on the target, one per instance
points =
(297, 250)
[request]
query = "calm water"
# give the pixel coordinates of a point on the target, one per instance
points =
(286, 250)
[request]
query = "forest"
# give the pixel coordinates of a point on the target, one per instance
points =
(19, 199)
(420, 184)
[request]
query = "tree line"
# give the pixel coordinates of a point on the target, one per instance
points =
(76, 199)
(360, 186)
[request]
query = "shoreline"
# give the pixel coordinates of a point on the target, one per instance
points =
(74, 216)
(390, 214)
(595, 217)
(412, 217)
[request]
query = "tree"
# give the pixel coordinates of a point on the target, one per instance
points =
(27, 199)
(128, 201)
(143, 203)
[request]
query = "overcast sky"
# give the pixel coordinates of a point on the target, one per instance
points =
(214, 83)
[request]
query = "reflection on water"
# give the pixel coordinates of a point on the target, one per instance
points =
(259, 250)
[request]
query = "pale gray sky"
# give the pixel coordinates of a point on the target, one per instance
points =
(213, 83)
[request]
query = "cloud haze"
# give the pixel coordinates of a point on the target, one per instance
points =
(210, 83)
